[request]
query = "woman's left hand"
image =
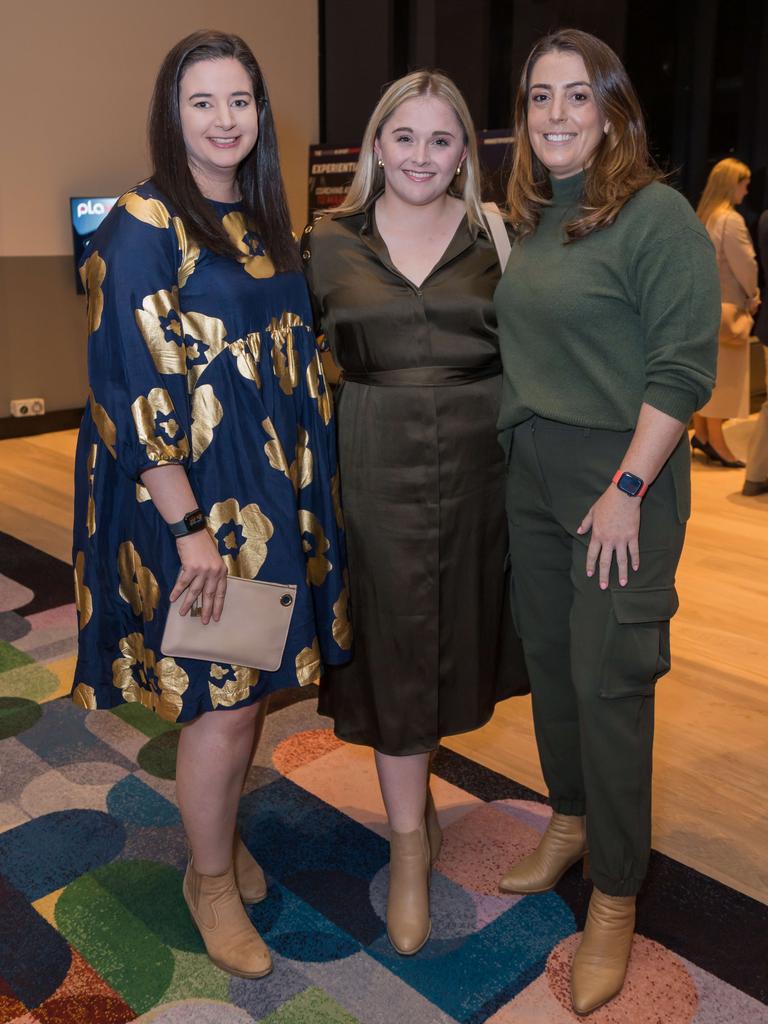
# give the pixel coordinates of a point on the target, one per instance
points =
(614, 520)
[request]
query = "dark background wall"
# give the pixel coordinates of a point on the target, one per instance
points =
(699, 66)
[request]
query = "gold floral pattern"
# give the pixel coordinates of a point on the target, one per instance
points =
(254, 259)
(207, 414)
(318, 390)
(237, 684)
(138, 585)
(158, 428)
(242, 536)
(285, 359)
(189, 250)
(171, 308)
(342, 627)
(90, 515)
(148, 211)
(105, 428)
(92, 274)
(300, 471)
(159, 321)
(84, 696)
(205, 338)
(309, 664)
(247, 352)
(158, 685)
(83, 596)
(318, 565)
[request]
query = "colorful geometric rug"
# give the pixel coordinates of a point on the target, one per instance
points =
(93, 928)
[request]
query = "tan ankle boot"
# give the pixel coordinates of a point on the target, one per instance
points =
(231, 941)
(249, 876)
(408, 923)
(601, 960)
(434, 832)
(563, 843)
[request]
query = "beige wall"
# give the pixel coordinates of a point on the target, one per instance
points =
(75, 81)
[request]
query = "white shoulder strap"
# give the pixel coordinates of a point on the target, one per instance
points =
(498, 232)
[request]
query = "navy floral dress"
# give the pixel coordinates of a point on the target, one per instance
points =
(207, 362)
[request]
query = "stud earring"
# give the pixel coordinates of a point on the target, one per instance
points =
(381, 162)
(458, 171)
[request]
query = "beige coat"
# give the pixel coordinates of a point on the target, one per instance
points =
(737, 265)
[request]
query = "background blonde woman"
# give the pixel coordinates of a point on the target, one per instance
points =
(726, 187)
(403, 276)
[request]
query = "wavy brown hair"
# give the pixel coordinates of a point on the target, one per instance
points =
(258, 175)
(621, 163)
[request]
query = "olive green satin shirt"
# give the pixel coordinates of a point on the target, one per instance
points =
(375, 319)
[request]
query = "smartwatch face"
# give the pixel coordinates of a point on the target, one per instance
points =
(194, 520)
(630, 484)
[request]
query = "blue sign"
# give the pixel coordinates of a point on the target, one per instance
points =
(88, 213)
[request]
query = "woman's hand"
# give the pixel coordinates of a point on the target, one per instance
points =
(614, 520)
(203, 573)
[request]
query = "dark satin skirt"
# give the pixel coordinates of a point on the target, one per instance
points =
(422, 480)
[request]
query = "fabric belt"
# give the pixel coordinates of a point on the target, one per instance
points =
(424, 376)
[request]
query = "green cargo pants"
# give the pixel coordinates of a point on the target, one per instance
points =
(593, 655)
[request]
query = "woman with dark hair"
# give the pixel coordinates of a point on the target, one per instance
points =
(207, 448)
(608, 321)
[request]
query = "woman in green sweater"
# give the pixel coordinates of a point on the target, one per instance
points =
(608, 320)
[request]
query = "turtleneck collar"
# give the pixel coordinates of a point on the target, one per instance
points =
(567, 191)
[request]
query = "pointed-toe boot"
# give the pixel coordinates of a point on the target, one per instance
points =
(408, 923)
(231, 941)
(563, 843)
(434, 832)
(601, 960)
(249, 876)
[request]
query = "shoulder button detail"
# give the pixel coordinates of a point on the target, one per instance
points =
(306, 254)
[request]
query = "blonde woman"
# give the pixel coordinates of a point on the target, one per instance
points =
(403, 276)
(726, 187)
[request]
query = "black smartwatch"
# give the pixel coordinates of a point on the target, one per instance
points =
(630, 484)
(192, 522)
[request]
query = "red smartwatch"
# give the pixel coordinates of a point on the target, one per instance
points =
(630, 484)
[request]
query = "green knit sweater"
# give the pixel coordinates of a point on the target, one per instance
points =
(592, 329)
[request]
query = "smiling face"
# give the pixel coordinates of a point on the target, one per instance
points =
(564, 123)
(219, 121)
(421, 145)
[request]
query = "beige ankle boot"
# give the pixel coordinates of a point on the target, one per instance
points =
(434, 832)
(408, 923)
(231, 941)
(601, 960)
(249, 876)
(563, 843)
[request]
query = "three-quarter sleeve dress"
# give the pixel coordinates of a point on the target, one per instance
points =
(210, 363)
(422, 484)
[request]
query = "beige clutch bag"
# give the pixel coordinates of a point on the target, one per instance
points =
(252, 629)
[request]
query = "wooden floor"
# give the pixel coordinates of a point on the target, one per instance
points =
(711, 755)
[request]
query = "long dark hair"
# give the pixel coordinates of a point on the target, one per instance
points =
(621, 164)
(258, 176)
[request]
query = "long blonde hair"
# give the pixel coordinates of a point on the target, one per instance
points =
(720, 189)
(369, 177)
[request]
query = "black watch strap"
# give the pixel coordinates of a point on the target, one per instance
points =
(192, 522)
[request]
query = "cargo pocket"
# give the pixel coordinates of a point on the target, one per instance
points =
(636, 649)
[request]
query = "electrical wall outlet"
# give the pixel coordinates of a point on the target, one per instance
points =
(27, 406)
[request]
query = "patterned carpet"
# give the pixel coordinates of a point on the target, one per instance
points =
(93, 928)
